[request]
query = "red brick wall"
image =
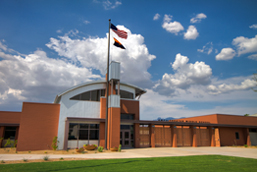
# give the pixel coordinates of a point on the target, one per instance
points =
(228, 136)
(38, 126)
(208, 118)
(10, 117)
(130, 107)
(237, 120)
(102, 134)
(102, 107)
(225, 119)
(113, 128)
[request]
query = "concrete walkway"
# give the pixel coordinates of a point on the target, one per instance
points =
(143, 153)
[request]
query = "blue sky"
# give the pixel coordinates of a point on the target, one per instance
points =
(193, 57)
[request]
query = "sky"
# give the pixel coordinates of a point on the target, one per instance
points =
(192, 57)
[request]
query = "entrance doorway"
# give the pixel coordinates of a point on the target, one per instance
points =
(127, 136)
(125, 139)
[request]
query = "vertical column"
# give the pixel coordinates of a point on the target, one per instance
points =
(113, 127)
(212, 136)
(17, 133)
(194, 136)
(175, 137)
(102, 134)
(248, 140)
(152, 135)
(171, 132)
(137, 137)
(217, 137)
(66, 132)
(1, 134)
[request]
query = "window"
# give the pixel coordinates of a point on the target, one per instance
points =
(126, 95)
(83, 131)
(237, 135)
(127, 116)
(10, 132)
(90, 95)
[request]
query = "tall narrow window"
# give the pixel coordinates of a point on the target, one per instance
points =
(237, 135)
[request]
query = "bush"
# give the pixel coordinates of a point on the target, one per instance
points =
(55, 143)
(245, 146)
(46, 158)
(119, 149)
(100, 149)
(8, 142)
(61, 158)
(25, 160)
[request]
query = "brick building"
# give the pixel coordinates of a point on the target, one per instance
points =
(77, 117)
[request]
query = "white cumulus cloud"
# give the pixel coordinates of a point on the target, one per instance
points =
(225, 88)
(254, 26)
(191, 33)
(207, 48)
(92, 53)
(186, 75)
(156, 16)
(245, 45)
(172, 27)
(198, 18)
(36, 77)
(109, 4)
(226, 54)
(253, 57)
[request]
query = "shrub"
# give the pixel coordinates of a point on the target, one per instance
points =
(55, 143)
(2, 161)
(100, 149)
(8, 142)
(245, 146)
(25, 160)
(46, 158)
(61, 158)
(119, 149)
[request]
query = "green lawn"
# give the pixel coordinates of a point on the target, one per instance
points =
(187, 163)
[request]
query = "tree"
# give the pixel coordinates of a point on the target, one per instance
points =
(246, 114)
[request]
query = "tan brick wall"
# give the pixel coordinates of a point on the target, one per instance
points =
(38, 126)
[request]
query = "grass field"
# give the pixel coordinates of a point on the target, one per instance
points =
(187, 163)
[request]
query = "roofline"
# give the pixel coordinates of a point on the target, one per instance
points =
(142, 91)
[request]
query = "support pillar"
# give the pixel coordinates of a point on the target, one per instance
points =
(1, 134)
(194, 136)
(174, 138)
(113, 136)
(212, 136)
(66, 134)
(248, 140)
(137, 137)
(152, 136)
(217, 137)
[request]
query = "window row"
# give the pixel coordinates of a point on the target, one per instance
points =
(96, 94)
(83, 131)
(90, 95)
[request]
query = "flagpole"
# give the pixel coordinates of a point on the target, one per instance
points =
(107, 88)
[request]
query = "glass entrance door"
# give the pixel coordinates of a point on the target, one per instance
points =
(125, 139)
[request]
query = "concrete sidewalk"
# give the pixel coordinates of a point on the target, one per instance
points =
(143, 153)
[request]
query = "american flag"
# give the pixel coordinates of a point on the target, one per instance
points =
(120, 33)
